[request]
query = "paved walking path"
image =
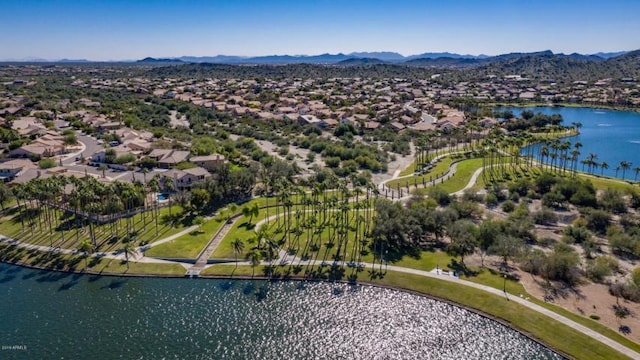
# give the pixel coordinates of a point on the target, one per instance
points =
(211, 246)
(136, 256)
(472, 181)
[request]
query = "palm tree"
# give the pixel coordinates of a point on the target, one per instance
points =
(625, 165)
(603, 167)
(128, 250)
(238, 247)
(103, 168)
(636, 170)
(154, 186)
(254, 258)
(5, 194)
(86, 248)
(591, 160)
(169, 184)
(144, 174)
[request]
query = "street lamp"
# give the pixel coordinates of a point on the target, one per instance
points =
(504, 286)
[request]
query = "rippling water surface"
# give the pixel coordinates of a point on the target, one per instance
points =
(56, 315)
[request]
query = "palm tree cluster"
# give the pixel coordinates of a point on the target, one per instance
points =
(71, 206)
(323, 224)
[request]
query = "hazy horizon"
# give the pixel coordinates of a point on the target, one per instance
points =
(123, 30)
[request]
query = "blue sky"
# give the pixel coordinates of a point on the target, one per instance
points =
(132, 29)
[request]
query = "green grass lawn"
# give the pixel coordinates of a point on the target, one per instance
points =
(244, 231)
(460, 179)
(603, 183)
(441, 167)
(109, 236)
(79, 263)
(188, 245)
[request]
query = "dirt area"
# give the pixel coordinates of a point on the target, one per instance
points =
(300, 155)
(397, 165)
(178, 121)
(587, 299)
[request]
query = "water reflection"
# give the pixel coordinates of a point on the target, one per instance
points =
(104, 317)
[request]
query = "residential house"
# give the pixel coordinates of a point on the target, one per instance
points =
(184, 179)
(168, 158)
(396, 126)
(328, 123)
(371, 125)
(209, 162)
(487, 122)
(12, 168)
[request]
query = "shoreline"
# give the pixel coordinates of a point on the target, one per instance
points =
(391, 286)
(566, 105)
(297, 278)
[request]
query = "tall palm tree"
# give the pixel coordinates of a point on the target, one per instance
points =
(128, 249)
(86, 248)
(154, 186)
(625, 165)
(169, 185)
(254, 258)
(238, 248)
(603, 167)
(636, 170)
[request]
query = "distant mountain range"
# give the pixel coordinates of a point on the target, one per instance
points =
(436, 59)
(430, 59)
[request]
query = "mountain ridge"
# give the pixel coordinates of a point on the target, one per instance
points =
(424, 59)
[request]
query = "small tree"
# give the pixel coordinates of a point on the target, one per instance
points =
(199, 200)
(463, 235)
(507, 247)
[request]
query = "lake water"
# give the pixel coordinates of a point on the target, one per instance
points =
(613, 136)
(47, 315)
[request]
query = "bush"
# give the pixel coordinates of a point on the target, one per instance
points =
(598, 220)
(545, 216)
(508, 206)
(470, 195)
(439, 195)
(125, 158)
(575, 234)
(594, 317)
(628, 291)
(601, 267)
(46, 163)
(612, 200)
(635, 276)
(491, 200)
